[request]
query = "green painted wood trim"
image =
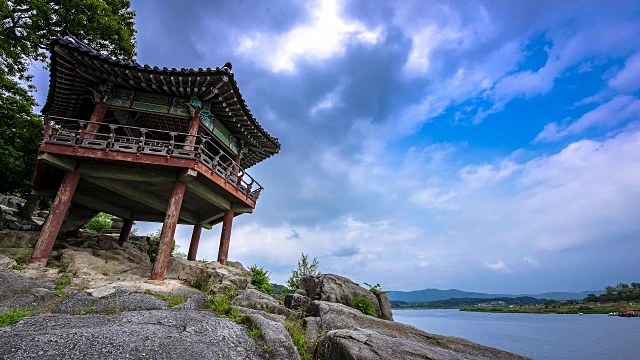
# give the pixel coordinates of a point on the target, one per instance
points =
(58, 161)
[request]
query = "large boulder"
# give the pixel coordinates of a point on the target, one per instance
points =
(212, 276)
(103, 263)
(276, 337)
(254, 299)
(339, 289)
(18, 239)
(22, 290)
(353, 335)
(157, 334)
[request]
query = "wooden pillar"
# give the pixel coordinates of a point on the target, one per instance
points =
(168, 230)
(96, 117)
(225, 237)
(52, 224)
(195, 240)
(125, 231)
(225, 234)
(194, 124)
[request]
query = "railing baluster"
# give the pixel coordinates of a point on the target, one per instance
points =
(221, 164)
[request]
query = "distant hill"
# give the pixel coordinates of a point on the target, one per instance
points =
(427, 295)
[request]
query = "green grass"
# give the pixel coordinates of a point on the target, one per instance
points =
(12, 316)
(61, 284)
(235, 315)
(295, 329)
(200, 282)
(172, 299)
(254, 332)
(221, 303)
(15, 267)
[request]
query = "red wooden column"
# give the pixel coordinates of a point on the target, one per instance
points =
(195, 240)
(125, 232)
(96, 117)
(168, 230)
(194, 123)
(52, 224)
(225, 237)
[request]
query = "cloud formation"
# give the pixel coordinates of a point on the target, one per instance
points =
(487, 146)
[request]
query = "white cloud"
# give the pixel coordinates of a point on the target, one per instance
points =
(628, 79)
(499, 265)
(617, 110)
(432, 198)
(327, 34)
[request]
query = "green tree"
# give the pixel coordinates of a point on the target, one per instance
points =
(102, 221)
(304, 268)
(26, 28)
(20, 132)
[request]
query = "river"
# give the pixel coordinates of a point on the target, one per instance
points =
(539, 336)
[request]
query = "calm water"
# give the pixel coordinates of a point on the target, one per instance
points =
(539, 336)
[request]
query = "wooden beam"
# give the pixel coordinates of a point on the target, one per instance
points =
(209, 195)
(187, 175)
(99, 205)
(109, 171)
(211, 219)
(239, 209)
(141, 196)
(60, 162)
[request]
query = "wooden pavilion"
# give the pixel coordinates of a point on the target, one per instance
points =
(146, 144)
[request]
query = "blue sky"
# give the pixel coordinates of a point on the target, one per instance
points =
(486, 146)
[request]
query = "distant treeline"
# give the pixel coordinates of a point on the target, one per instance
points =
(620, 292)
(458, 303)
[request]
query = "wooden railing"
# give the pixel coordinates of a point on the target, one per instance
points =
(132, 139)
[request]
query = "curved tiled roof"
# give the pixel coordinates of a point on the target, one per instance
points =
(76, 68)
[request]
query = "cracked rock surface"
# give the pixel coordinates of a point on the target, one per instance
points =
(157, 334)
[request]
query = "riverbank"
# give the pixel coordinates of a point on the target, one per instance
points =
(584, 308)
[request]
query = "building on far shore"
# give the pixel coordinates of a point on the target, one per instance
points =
(146, 144)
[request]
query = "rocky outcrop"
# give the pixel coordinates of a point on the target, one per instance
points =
(25, 291)
(353, 335)
(214, 277)
(159, 334)
(254, 299)
(339, 289)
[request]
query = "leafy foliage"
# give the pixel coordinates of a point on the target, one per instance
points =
(220, 303)
(260, 279)
(62, 284)
(26, 28)
(364, 304)
(20, 132)
(12, 316)
(99, 222)
(620, 292)
(304, 268)
(375, 289)
(295, 328)
(154, 242)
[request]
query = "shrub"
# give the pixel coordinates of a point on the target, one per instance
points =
(99, 222)
(364, 304)
(12, 316)
(260, 279)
